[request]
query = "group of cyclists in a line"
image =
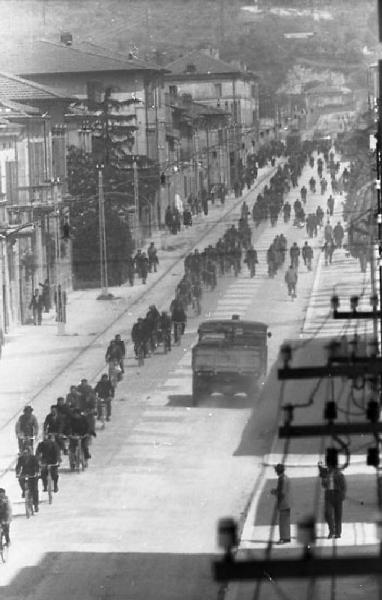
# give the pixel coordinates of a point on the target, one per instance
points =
(67, 429)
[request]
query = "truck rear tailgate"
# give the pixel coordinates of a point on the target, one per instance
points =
(221, 360)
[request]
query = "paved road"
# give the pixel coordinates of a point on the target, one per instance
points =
(140, 523)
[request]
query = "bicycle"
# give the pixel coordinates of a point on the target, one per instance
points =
(141, 354)
(77, 459)
(29, 509)
(102, 416)
(4, 547)
(26, 441)
(115, 372)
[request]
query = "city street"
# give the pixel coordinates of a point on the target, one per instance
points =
(163, 472)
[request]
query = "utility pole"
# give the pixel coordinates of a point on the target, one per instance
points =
(59, 292)
(208, 159)
(136, 205)
(102, 238)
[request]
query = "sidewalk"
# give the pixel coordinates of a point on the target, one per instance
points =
(37, 365)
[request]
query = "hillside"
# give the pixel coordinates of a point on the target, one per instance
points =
(164, 29)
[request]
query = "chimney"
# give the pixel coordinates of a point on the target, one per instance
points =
(66, 38)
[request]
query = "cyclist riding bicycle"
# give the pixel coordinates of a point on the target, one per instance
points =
(26, 428)
(179, 319)
(55, 424)
(88, 403)
(79, 427)
(28, 467)
(139, 336)
(105, 392)
(152, 320)
(48, 453)
(121, 344)
(165, 328)
(5, 514)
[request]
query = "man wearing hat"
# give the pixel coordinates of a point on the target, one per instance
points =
(26, 428)
(282, 493)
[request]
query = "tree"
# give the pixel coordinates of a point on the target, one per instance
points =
(84, 218)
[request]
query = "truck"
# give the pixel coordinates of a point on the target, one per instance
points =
(230, 356)
(293, 142)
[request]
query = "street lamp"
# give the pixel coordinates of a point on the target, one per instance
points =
(59, 293)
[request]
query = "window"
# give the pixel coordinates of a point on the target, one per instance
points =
(190, 68)
(218, 90)
(173, 89)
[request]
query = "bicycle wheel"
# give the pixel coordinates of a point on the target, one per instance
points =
(28, 505)
(3, 548)
(141, 358)
(103, 415)
(50, 495)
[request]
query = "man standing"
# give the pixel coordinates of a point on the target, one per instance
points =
(282, 493)
(338, 234)
(330, 203)
(291, 281)
(307, 255)
(294, 253)
(334, 483)
(153, 257)
(37, 304)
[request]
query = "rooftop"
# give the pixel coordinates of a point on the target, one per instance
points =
(44, 56)
(18, 89)
(200, 63)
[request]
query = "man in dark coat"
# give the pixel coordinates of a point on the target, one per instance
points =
(37, 305)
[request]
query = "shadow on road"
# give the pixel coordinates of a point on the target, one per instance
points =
(128, 576)
(267, 415)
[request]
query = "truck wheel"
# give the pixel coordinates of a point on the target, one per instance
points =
(252, 388)
(197, 391)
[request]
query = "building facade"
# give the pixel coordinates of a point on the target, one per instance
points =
(31, 211)
(230, 87)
